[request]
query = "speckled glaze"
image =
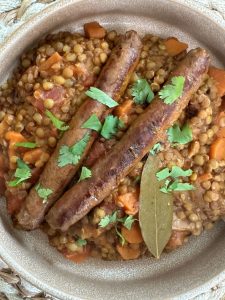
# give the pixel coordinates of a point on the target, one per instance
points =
(178, 275)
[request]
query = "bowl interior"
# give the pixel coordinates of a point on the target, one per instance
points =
(183, 272)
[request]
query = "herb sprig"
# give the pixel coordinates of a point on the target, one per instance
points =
(101, 97)
(180, 135)
(43, 193)
(171, 92)
(142, 92)
(60, 125)
(23, 172)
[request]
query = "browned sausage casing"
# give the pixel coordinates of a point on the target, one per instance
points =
(113, 80)
(147, 130)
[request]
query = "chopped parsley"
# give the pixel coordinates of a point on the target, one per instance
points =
(71, 155)
(42, 192)
(29, 145)
(56, 122)
(127, 222)
(22, 173)
(176, 186)
(142, 92)
(101, 97)
(111, 126)
(174, 173)
(171, 92)
(81, 242)
(85, 173)
(156, 149)
(93, 123)
(179, 135)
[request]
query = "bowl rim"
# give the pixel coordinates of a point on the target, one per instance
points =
(15, 37)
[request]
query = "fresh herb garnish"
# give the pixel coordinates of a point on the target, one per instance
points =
(85, 173)
(71, 155)
(93, 123)
(101, 97)
(174, 173)
(176, 186)
(42, 192)
(156, 149)
(22, 173)
(81, 242)
(56, 122)
(108, 219)
(113, 219)
(171, 92)
(128, 222)
(29, 145)
(142, 92)
(111, 126)
(178, 135)
(122, 239)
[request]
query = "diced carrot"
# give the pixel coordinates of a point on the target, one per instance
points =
(132, 236)
(129, 202)
(128, 253)
(204, 177)
(94, 30)
(77, 257)
(219, 76)
(32, 156)
(14, 137)
(54, 58)
(124, 108)
(217, 149)
(221, 132)
(174, 47)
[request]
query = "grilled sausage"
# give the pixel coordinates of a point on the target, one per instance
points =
(147, 130)
(113, 80)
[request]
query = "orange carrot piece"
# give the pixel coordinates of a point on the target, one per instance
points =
(14, 137)
(94, 30)
(221, 133)
(77, 257)
(132, 236)
(204, 177)
(217, 149)
(53, 59)
(129, 202)
(174, 47)
(219, 76)
(124, 108)
(32, 156)
(128, 253)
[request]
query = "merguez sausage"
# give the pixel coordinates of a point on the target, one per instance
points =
(147, 130)
(113, 80)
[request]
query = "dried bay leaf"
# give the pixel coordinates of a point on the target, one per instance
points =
(156, 209)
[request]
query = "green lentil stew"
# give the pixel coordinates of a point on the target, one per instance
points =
(186, 166)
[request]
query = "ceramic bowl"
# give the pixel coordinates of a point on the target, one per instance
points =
(178, 275)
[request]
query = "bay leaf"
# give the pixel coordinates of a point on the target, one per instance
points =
(156, 209)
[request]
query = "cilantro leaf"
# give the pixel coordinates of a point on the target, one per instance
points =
(42, 192)
(174, 173)
(22, 173)
(71, 155)
(142, 92)
(171, 92)
(110, 126)
(101, 97)
(176, 186)
(29, 145)
(122, 239)
(178, 135)
(128, 222)
(80, 242)
(93, 123)
(108, 219)
(156, 149)
(85, 173)
(56, 122)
